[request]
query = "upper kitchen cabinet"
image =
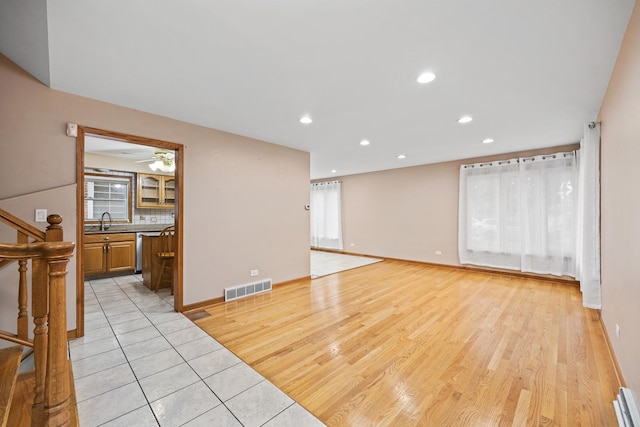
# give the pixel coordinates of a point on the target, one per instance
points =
(156, 191)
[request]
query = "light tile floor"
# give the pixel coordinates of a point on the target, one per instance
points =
(142, 364)
(324, 263)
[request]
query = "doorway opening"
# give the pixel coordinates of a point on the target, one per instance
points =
(113, 157)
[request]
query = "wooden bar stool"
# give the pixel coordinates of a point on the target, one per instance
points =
(165, 254)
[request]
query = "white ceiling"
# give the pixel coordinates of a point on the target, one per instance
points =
(118, 148)
(531, 73)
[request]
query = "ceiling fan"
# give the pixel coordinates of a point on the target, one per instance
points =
(163, 160)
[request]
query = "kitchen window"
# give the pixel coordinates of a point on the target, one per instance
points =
(104, 193)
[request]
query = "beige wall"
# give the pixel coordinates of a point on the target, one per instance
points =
(244, 199)
(409, 213)
(246, 211)
(620, 221)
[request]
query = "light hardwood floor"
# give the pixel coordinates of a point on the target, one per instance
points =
(406, 344)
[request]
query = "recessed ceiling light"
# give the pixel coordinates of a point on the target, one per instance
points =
(465, 119)
(305, 120)
(333, 171)
(487, 140)
(365, 142)
(426, 77)
(402, 156)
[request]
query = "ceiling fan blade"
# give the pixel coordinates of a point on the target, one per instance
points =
(144, 161)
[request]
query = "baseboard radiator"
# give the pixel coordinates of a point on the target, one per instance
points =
(626, 409)
(243, 291)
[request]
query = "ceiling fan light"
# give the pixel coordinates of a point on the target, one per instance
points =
(167, 164)
(158, 164)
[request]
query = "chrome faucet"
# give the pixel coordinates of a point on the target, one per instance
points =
(102, 226)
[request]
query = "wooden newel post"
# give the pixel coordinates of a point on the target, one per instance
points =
(57, 390)
(54, 230)
(40, 311)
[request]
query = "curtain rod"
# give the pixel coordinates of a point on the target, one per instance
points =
(326, 182)
(523, 159)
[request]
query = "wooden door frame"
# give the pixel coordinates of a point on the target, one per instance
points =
(178, 211)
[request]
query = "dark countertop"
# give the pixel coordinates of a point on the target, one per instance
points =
(125, 228)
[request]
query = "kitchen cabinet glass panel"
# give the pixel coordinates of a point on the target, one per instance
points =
(149, 190)
(170, 191)
(156, 191)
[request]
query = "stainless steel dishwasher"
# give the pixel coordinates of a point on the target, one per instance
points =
(139, 247)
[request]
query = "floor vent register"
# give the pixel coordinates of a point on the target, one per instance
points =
(243, 291)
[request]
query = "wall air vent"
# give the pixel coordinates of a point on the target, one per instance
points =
(242, 291)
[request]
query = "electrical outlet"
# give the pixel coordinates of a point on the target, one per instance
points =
(142, 217)
(254, 273)
(154, 219)
(617, 330)
(438, 252)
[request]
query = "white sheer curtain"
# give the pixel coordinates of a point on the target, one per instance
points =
(489, 216)
(326, 215)
(549, 196)
(519, 214)
(588, 218)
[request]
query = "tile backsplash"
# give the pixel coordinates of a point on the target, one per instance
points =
(152, 216)
(141, 216)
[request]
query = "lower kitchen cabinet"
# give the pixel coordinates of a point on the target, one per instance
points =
(109, 253)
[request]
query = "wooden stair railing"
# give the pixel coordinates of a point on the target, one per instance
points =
(49, 256)
(24, 232)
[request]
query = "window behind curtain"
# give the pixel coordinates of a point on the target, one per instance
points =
(548, 186)
(520, 214)
(326, 215)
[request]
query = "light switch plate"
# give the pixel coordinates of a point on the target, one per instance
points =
(41, 215)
